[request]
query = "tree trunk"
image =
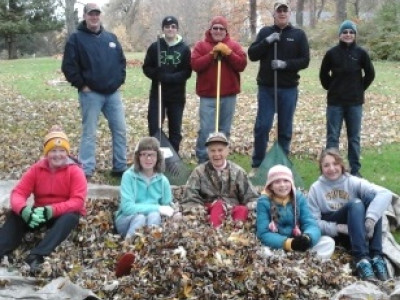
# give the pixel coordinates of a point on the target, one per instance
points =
(321, 9)
(357, 8)
(313, 8)
(70, 16)
(341, 11)
(12, 46)
(253, 19)
(300, 13)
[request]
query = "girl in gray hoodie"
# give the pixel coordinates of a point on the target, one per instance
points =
(351, 207)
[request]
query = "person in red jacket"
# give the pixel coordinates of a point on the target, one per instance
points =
(59, 189)
(217, 42)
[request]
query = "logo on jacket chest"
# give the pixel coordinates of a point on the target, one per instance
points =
(173, 58)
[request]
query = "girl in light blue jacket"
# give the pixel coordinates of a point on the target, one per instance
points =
(145, 192)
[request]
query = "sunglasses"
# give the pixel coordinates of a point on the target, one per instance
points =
(172, 26)
(348, 32)
(282, 9)
(218, 28)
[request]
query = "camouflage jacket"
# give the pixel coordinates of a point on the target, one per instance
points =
(204, 186)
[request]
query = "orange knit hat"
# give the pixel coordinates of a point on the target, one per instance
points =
(55, 138)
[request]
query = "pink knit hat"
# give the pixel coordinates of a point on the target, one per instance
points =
(283, 172)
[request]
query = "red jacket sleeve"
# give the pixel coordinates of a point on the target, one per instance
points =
(23, 190)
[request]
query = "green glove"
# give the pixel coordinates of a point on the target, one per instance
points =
(45, 212)
(37, 217)
(26, 213)
(48, 212)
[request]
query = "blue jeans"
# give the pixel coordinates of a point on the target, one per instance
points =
(353, 214)
(352, 116)
(207, 121)
(127, 225)
(91, 104)
(287, 101)
(174, 111)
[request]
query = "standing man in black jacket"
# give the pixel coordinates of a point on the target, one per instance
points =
(172, 69)
(95, 64)
(293, 54)
(346, 72)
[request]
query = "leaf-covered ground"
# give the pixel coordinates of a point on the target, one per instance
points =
(23, 124)
(185, 259)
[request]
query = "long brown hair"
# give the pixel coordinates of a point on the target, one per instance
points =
(336, 155)
(149, 143)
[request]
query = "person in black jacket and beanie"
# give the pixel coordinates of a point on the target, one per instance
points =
(346, 72)
(172, 69)
(95, 64)
(293, 55)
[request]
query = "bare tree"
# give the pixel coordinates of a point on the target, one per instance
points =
(70, 16)
(321, 9)
(253, 18)
(313, 8)
(341, 10)
(300, 13)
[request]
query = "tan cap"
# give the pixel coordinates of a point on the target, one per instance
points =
(278, 4)
(91, 7)
(217, 137)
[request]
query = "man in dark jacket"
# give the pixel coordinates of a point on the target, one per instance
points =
(293, 54)
(95, 64)
(346, 72)
(168, 66)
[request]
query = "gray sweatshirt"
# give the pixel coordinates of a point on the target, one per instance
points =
(327, 196)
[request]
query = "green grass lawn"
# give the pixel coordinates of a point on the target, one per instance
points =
(32, 79)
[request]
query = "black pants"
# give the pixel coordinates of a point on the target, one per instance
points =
(174, 112)
(14, 229)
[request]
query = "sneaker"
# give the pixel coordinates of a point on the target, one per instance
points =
(253, 172)
(364, 270)
(124, 264)
(379, 267)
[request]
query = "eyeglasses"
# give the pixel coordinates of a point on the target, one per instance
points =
(218, 28)
(348, 32)
(148, 155)
(282, 9)
(172, 26)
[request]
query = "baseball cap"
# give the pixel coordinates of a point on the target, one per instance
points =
(91, 7)
(278, 4)
(217, 137)
(169, 20)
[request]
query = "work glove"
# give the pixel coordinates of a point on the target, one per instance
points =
(166, 210)
(37, 217)
(301, 243)
(26, 213)
(278, 64)
(274, 37)
(342, 228)
(46, 212)
(221, 48)
(369, 227)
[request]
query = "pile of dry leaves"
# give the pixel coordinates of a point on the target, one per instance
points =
(185, 259)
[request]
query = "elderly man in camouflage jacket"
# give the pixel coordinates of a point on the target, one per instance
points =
(220, 185)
